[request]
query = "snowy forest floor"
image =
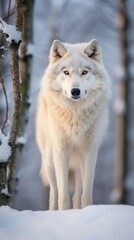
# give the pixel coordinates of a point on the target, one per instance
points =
(91, 223)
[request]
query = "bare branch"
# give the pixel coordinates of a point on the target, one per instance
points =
(8, 16)
(14, 46)
(16, 92)
(6, 99)
(9, 6)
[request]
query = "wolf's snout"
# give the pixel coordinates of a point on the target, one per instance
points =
(75, 92)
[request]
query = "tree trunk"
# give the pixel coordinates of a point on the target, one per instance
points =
(14, 64)
(25, 64)
(122, 108)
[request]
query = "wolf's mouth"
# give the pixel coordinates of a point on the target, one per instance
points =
(75, 97)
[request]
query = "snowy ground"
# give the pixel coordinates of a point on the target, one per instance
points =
(91, 223)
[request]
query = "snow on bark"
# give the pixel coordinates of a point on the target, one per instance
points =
(5, 191)
(5, 149)
(21, 139)
(5, 153)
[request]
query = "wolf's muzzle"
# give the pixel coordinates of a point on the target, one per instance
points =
(75, 93)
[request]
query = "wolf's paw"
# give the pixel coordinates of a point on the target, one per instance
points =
(64, 202)
(76, 202)
(85, 200)
(53, 205)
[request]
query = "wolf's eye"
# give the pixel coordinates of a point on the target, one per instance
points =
(84, 72)
(66, 72)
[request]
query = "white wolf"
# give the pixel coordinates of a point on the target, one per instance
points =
(71, 120)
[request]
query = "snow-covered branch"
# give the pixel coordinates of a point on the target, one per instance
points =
(12, 33)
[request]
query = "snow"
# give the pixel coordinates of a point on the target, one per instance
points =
(13, 33)
(21, 139)
(119, 106)
(5, 149)
(3, 48)
(29, 51)
(5, 191)
(97, 222)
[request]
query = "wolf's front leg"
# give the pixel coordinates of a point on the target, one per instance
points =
(88, 164)
(48, 173)
(61, 163)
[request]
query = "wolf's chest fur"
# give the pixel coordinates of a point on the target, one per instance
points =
(76, 127)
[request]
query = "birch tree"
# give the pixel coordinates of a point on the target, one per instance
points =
(21, 74)
(13, 36)
(25, 65)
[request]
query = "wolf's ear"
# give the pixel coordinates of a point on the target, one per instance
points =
(93, 50)
(57, 51)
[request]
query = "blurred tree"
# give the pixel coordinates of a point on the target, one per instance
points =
(122, 107)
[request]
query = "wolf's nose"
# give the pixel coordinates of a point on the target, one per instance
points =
(75, 92)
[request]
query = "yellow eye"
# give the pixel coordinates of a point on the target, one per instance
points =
(84, 72)
(66, 72)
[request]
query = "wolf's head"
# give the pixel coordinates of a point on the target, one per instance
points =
(75, 68)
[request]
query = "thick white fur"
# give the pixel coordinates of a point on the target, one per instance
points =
(69, 131)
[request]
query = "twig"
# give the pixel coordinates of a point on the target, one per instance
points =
(16, 93)
(6, 99)
(9, 13)
(8, 16)
(9, 7)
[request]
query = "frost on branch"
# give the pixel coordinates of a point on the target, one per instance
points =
(12, 33)
(5, 149)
